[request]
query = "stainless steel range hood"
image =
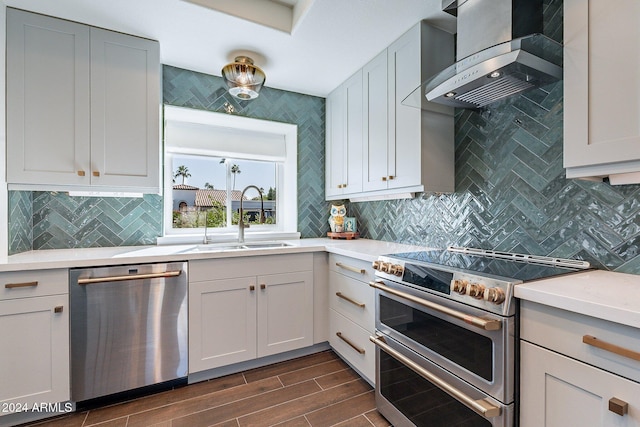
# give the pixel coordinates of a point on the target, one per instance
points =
(500, 52)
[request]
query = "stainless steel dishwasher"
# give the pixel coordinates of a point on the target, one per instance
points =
(128, 327)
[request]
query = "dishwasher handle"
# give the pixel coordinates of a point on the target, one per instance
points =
(92, 280)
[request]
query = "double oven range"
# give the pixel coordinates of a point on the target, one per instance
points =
(446, 334)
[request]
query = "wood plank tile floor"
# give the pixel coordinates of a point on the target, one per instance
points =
(315, 390)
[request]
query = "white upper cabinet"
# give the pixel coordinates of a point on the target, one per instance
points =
(83, 107)
(404, 149)
(602, 90)
(47, 99)
(125, 100)
(376, 129)
(344, 130)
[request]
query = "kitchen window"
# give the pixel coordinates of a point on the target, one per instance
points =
(210, 158)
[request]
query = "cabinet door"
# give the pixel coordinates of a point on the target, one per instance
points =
(285, 312)
(376, 127)
(34, 357)
(404, 160)
(335, 165)
(557, 391)
(125, 108)
(47, 100)
(222, 322)
(353, 133)
(601, 46)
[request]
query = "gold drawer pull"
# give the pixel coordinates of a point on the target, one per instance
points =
(349, 343)
(81, 173)
(263, 286)
(611, 348)
(348, 267)
(58, 309)
(252, 288)
(346, 298)
(21, 285)
(618, 406)
(96, 173)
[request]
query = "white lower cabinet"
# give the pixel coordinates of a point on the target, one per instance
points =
(559, 391)
(34, 354)
(565, 381)
(352, 313)
(244, 308)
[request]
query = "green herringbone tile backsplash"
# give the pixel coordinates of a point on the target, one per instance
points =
(511, 192)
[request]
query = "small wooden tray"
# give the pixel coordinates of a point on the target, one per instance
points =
(345, 235)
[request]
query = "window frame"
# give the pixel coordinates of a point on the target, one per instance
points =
(286, 201)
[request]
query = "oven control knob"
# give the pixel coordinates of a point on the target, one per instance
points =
(476, 290)
(376, 265)
(396, 269)
(385, 267)
(494, 295)
(459, 286)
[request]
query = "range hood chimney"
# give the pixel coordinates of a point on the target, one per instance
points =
(501, 51)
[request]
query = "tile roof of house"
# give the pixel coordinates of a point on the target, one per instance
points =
(184, 187)
(206, 198)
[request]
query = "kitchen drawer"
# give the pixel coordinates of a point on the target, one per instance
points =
(351, 267)
(360, 354)
(353, 299)
(225, 268)
(35, 283)
(563, 331)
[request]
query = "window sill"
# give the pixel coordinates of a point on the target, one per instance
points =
(178, 239)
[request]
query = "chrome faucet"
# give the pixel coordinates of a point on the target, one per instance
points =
(205, 241)
(241, 224)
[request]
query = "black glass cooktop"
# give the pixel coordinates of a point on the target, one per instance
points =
(475, 264)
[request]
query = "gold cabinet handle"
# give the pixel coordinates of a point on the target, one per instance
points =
(349, 343)
(96, 173)
(21, 285)
(390, 177)
(263, 286)
(479, 322)
(348, 267)
(81, 173)
(480, 406)
(252, 288)
(618, 406)
(92, 280)
(58, 309)
(384, 178)
(611, 348)
(346, 298)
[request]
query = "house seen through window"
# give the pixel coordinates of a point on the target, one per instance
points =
(215, 162)
(207, 188)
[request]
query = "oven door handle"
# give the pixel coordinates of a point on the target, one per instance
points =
(486, 324)
(479, 406)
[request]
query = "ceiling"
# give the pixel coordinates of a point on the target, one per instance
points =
(329, 41)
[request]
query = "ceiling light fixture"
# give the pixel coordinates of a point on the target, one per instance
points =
(243, 78)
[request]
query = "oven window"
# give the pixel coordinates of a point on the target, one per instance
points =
(463, 347)
(420, 401)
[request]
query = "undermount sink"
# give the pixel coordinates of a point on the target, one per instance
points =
(220, 247)
(259, 245)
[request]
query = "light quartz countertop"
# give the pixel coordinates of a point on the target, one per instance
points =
(598, 293)
(364, 249)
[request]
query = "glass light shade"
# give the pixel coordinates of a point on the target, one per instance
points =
(243, 78)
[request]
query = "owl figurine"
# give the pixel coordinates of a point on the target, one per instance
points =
(336, 220)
